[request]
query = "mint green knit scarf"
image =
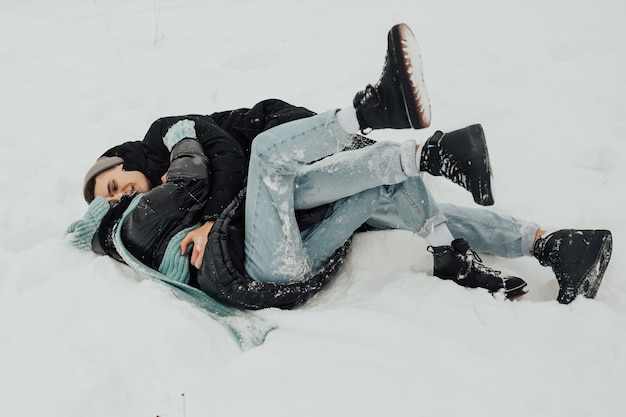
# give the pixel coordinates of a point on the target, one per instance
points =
(246, 328)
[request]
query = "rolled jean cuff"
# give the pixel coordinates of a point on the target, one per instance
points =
(430, 224)
(408, 158)
(333, 127)
(529, 232)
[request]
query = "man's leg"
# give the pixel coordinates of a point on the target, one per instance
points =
(460, 156)
(578, 258)
(277, 252)
(349, 172)
(274, 249)
(489, 232)
(281, 177)
(407, 206)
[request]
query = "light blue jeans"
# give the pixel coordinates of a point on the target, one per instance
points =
(364, 186)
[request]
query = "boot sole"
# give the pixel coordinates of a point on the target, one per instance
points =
(408, 60)
(592, 273)
(515, 293)
(482, 193)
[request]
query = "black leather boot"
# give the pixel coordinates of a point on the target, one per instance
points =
(462, 265)
(578, 258)
(399, 99)
(462, 157)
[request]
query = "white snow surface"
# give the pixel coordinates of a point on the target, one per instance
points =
(82, 336)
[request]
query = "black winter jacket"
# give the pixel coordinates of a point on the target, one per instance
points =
(170, 208)
(215, 192)
(223, 277)
(225, 137)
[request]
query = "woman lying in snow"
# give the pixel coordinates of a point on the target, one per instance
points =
(312, 182)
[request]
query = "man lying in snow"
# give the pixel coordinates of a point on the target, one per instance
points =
(311, 184)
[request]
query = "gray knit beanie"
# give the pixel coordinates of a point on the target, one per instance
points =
(102, 164)
(81, 232)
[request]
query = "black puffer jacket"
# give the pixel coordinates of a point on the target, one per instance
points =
(169, 208)
(166, 210)
(223, 277)
(225, 137)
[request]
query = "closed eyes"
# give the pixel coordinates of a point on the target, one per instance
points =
(112, 188)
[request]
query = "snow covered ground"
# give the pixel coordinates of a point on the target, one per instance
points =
(80, 336)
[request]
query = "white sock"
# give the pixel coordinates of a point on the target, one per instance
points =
(418, 157)
(409, 151)
(347, 120)
(440, 236)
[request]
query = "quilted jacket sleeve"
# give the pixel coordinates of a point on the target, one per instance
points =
(170, 207)
(227, 162)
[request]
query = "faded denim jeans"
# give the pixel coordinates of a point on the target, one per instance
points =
(299, 165)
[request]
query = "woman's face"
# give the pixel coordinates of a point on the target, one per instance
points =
(115, 182)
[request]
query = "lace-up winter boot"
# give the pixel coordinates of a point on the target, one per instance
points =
(399, 99)
(462, 265)
(578, 258)
(462, 157)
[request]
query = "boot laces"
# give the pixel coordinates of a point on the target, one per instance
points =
(474, 263)
(451, 169)
(371, 94)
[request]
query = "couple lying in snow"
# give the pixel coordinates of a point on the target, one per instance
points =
(257, 206)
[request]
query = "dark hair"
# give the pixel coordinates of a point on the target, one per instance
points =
(103, 163)
(90, 185)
